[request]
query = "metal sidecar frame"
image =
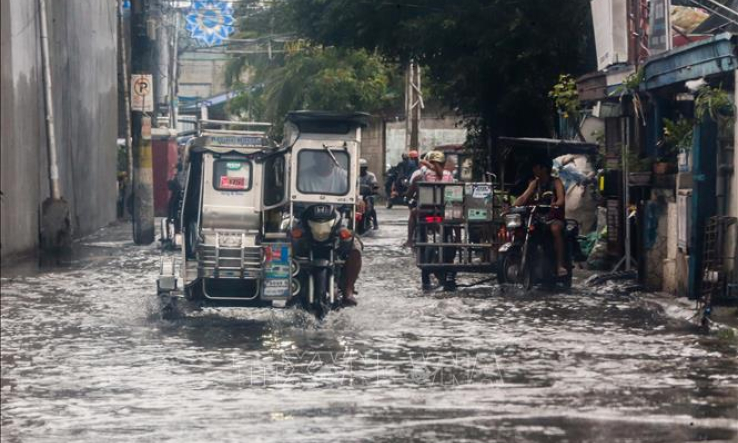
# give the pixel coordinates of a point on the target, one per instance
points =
(457, 227)
(235, 245)
(460, 226)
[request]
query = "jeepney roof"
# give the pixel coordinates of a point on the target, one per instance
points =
(325, 120)
(225, 143)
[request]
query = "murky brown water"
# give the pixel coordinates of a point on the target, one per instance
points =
(85, 357)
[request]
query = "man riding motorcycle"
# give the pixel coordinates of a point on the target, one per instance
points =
(545, 189)
(409, 163)
(325, 176)
(402, 173)
(368, 179)
(432, 170)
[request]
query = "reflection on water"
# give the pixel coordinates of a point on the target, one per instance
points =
(85, 357)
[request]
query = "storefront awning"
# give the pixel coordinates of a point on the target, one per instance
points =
(704, 58)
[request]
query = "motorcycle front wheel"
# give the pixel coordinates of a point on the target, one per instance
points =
(321, 280)
(509, 270)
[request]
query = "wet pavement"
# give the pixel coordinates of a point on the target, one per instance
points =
(86, 358)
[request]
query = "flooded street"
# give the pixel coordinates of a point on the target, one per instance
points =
(86, 358)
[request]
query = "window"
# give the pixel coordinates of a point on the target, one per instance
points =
(232, 175)
(318, 173)
(274, 186)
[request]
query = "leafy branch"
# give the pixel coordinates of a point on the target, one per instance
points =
(566, 99)
(713, 102)
(677, 137)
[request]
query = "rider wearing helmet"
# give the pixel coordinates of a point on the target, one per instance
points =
(413, 163)
(369, 180)
(408, 165)
(432, 170)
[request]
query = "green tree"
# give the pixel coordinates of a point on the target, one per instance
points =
(301, 75)
(330, 79)
(494, 60)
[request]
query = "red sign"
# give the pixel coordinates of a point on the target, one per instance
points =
(232, 182)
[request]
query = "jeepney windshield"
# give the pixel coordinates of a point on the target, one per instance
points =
(232, 175)
(319, 173)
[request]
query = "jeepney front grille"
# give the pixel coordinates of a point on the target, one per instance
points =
(230, 262)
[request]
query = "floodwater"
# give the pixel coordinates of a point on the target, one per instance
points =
(86, 358)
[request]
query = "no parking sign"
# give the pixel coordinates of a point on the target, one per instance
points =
(142, 93)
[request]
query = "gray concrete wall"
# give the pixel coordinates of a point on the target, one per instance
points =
(435, 130)
(372, 148)
(202, 75)
(84, 67)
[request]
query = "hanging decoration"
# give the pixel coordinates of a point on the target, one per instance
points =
(210, 21)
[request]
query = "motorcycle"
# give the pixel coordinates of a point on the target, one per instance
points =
(396, 187)
(528, 257)
(320, 240)
(363, 214)
(324, 163)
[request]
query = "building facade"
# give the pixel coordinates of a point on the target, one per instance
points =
(84, 72)
(683, 190)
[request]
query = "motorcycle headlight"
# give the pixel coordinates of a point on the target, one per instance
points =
(321, 230)
(513, 221)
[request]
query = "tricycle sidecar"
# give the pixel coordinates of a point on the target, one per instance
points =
(236, 251)
(457, 226)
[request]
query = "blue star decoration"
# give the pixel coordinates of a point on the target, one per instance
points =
(210, 21)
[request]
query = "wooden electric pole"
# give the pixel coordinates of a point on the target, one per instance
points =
(413, 106)
(143, 177)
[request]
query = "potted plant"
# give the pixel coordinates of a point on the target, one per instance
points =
(714, 103)
(677, 140)
(639, 169)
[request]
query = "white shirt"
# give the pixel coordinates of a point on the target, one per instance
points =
(309, 181)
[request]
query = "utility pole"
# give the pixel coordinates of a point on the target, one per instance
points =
(123, 50)
(56, 226)
(174, 75)
(413, 105)
(143, 177)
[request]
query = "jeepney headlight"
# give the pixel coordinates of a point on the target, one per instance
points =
(513, 221)
(321, 230)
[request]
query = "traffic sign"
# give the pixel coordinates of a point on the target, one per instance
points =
(142, 93)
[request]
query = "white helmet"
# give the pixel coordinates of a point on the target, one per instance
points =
(363, 163)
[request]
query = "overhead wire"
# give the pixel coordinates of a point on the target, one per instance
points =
(703, 6)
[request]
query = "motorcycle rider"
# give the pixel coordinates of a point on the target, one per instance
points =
(404, 170)
(546, 189)
(369, 180)
(322, 175)
(432, 170)
(410, 163)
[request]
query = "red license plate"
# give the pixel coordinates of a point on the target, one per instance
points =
(232, 182)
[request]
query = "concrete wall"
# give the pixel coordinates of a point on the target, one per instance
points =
(372, 149)
(84, 67)
(202, 75)
(382, 143)
(434, 131)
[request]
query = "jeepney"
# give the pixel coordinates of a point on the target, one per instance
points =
(236, 251)
(266, 225)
